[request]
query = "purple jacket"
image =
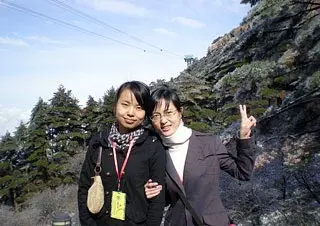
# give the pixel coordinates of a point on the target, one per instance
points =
(205, 158)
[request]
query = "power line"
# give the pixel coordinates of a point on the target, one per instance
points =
(63, 23)
(104, 24)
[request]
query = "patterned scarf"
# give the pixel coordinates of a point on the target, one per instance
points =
(123, 140)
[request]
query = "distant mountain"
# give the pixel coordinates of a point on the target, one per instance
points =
(271, 63)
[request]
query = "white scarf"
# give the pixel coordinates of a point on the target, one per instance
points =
(178, 144)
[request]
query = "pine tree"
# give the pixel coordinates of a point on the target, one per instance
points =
(11, 179)
(40, 154)
(21, 135)
(65, 127)
(106, 115)
(252, 2)
(90, 117)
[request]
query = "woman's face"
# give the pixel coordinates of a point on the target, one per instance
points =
(166, 120)
(129, 113)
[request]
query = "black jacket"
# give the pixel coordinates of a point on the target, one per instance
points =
(206, 157)
(147, 160)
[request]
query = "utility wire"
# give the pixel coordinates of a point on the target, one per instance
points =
(75, 27)
(104, 24)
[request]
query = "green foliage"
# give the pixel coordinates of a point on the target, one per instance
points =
(188, 113)
(90, 117)
(257, 74)
(4, 167)
(282, 80)
(257, 103)
(269, 93)
(61, 157)
(266, 8)
(5, 179)
(106, 115)
(257, 112)
(230, 119)
(41, 163)
(67, 180)
(229, 106)
(313, 82)
(252, 2)
(199, 126)
(307, 32)
(54, 182)
(64, 120)
(207, 113)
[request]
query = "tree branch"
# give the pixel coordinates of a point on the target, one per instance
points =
(297, 102)
(292, 135)
(307, 3)
(303, 181)
(297, 26)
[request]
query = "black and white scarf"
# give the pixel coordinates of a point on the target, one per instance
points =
(122, 141)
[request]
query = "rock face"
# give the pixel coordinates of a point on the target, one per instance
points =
(271, 63)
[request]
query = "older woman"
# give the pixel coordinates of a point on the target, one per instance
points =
(194, 161)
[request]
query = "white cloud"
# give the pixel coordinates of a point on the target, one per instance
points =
(46, 40)
(12, 41)
(10, 118)
(188, 22)
(116, 6)
(83, 70)
(164, 31)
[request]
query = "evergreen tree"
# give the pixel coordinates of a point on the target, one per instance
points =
(90, 117)
(252, 2)
(21, 135)
(65, 127)
(106, 113)
(40, 154)
(11, 179)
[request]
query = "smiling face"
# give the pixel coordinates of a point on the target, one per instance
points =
(166, 119)
(128, 112)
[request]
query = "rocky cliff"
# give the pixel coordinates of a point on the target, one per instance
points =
(271, 63)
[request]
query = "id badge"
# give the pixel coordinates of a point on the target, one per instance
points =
(118, 205)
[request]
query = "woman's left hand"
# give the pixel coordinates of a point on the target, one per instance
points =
(246, 123)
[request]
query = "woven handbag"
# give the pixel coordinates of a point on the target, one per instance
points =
(95, 199)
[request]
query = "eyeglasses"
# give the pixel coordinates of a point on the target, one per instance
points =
(167, 114)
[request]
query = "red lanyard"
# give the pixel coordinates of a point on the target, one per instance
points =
(120, 175)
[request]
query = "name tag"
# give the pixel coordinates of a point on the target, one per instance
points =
(118, 205)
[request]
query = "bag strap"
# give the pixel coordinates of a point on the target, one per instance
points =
(97, 169)
(190, 208)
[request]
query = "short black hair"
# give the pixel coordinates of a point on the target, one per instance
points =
(166, 93)
(140, 91)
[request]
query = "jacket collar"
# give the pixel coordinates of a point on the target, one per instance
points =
(194, 152)
(172, 173)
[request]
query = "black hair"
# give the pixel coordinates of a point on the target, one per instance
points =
(166, 93)
(140, 91)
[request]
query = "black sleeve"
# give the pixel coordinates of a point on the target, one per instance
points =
(157, 173)
(240, 167)
(87, 172)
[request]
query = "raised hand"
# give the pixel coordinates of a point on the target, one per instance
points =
(246, 123)
(152, 189)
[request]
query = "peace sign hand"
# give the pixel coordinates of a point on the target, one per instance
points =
(246, 123)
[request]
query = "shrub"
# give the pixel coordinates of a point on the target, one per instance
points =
(199, 126)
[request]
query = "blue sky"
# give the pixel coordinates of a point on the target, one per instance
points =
(38, 54)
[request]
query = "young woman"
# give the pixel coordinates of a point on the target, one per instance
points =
(194, 161)
(125, 144)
